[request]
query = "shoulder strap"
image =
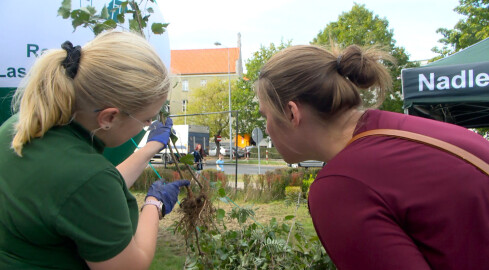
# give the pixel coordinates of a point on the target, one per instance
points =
(442, 145)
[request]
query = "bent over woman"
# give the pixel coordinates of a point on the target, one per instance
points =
(63, 205)
(381, 202)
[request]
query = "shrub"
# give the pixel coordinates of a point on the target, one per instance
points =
(148, 176)
(306, 184)
(292, 191)
(246, 181)
(277, 245)
(296, 178)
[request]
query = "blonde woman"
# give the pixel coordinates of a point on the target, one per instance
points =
(381, 202)
(64, 205)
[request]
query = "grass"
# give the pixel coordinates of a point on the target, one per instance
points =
(170, 251)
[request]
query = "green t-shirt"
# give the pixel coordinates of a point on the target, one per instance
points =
(61, 203)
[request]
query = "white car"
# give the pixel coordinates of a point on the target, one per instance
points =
(224, 149)
(165, 154)
(308, 164)
(213, 151)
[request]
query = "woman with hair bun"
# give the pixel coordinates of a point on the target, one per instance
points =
(384, 200)
(63, 205)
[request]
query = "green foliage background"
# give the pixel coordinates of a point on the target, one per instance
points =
(362, 27)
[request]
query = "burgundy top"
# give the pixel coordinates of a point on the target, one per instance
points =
(390, 203)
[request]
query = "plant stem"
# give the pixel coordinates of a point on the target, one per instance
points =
(295, 216)
(186, 165)
(175, 161)
(197, 241)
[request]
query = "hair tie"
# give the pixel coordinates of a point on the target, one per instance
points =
(338, 61)
(72, 60)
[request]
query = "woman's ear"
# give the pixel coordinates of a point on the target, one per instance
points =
(294, 113)
(105, 118)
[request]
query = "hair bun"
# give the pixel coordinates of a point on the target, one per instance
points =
(362, 67)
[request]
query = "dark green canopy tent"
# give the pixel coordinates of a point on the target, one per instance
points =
(454, 89)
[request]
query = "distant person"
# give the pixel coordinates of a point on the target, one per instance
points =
(198, 157)
(220, 163)
(381, 202)
(63, 204)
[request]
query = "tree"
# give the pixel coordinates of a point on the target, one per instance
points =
(112, 16)
(245, 100)
(361, 27)
(214, 98)
(469, 30)
(211, 98)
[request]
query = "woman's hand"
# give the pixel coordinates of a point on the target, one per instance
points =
(159, 132)
(167, 192)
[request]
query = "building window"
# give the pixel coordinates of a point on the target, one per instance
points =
(184, 105)
(184, 85)
(203, 82)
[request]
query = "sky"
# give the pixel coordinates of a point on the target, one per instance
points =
(197, 24)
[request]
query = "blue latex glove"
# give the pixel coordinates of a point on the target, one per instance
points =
(159, 132)
(167, 192)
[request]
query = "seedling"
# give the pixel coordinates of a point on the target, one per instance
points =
(197, 208)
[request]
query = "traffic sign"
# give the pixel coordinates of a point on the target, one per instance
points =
(257, 135)
(218, 138)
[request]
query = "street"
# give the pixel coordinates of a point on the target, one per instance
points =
(242, 168)
(246, 168)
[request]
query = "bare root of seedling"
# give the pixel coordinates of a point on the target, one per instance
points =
(198, 211)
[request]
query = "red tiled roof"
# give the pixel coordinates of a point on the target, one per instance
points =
(204, 61)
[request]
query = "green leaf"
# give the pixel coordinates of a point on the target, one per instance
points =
(79, 17)
(187, 159)
(65, 9)
(120, 18)
(273, 221)
(98, 28)
(104, 13)
(289, 217)
(220, 214)
(150, 10)
(242, 217)
(91, 10)
(65, 13)
(222, 192)
(143, 24)
(124, 6)
(224, 199)
(158, 28)
(173, 137)
(110, 24)
(66, 4)
(223, 256)
(233, 234)
(133, 25)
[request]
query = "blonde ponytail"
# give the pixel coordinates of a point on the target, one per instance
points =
(45, 100)
(116, 69)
